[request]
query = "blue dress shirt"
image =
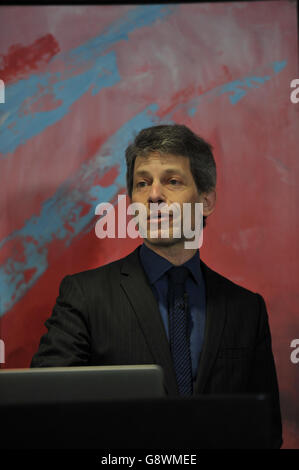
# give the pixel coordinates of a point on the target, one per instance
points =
(156, 267)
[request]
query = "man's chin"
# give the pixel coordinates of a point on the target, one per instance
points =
(159, 241)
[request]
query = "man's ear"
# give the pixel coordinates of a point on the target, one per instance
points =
(209, 202)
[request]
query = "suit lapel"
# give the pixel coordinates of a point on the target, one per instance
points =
(137, 288)
(215, 321)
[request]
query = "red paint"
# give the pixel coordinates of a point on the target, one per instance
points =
(85, 209)
(252, 236)
(143, 69)
(12, 249)
(68, 227)
(32, 310)
(227, 73)
(109, 177)
(186, 94)
(44, 103)
(51, 168)
(93, 145)
(181, 96)
(21, 61)
(28, 273)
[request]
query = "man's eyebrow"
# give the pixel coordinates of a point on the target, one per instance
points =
(167, 171)
(142, 173)
(174, 170)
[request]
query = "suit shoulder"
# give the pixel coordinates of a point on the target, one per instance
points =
(232, 289)
(107, 271)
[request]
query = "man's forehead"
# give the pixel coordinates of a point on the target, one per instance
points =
(161, 159)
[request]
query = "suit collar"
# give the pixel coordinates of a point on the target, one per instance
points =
(216, 312)
(139, 292)
(136, 285)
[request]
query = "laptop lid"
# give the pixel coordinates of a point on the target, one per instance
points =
(48, 385)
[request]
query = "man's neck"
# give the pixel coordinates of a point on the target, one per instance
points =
(175, 254)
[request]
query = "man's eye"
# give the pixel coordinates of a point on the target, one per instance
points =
(173, 182)
(140, 184)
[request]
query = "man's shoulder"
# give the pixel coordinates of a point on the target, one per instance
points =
(223, 284)
(108, 272)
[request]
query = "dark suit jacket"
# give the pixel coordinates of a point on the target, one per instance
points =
(109, 316)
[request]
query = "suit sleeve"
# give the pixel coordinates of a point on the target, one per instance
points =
(67, 342)
(263, 377)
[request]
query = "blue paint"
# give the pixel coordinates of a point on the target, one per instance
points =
(69, 91)
(65, 207)
(249, 81)
(236, 89)
(192, 111)
(279, 66)
(27, 125)
(136, 18)
(101, 71)
(239, 87)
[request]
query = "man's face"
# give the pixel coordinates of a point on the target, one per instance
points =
(164, 179)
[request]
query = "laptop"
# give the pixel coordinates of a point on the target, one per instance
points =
(88, 384)
(123, 407)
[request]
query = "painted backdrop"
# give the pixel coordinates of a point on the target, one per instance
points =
(80, 82)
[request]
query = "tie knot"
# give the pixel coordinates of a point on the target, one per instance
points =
(178, 274)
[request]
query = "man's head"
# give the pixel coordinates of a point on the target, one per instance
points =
(169, 163)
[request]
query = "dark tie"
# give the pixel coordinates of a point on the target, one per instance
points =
(178, 332)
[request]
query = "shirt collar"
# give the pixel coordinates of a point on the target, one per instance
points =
(155, 265)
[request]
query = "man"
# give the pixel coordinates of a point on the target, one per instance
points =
(132, 311)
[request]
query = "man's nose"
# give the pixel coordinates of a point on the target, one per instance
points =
(156, 193)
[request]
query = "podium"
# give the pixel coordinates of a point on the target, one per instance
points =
(202, 422)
